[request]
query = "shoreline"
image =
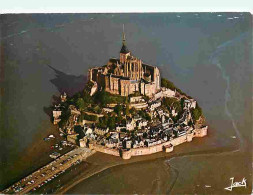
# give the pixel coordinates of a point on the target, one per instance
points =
(161, 155)
(95, 167)
(33, 157)
(76, 182)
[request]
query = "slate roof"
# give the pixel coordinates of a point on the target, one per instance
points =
(124, 49)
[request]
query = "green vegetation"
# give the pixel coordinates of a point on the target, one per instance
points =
(103, 98)
(144, 115)
(168, 84)
(86, 103)
(111, 123)
(94, 108)
(182, 102)
(127, 111)
(170, 103)
(196, 113)
(64, 117)
(90, 117)
(146, 98)
(102, 123)
(118, 109)
(88, 86)
(135, 94)
(133, 111)
(81, 99)
(73, 100)
(107, 121)
(80, 103)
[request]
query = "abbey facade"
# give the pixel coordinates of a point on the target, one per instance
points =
(126, 75)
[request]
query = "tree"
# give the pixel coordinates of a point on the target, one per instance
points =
(126, 101)
(148, 117)
(177, 106)
(172, 102)
(199, 109)
(118, 109)
(127, 109)
(81, 118)
(111, 123)
(119, 118)
(190, 123)
(64, 117)
(196, 113)
(182, 102)
(142, 113)
(146, 98)
(136, 93)
(133, 110)
(87, 98)
(88, 86)
(123, 121)
(168, 101)
(168, 84)
(103, 122)
(97, 109)
(102, 97)
(80, 103)
(90, 117)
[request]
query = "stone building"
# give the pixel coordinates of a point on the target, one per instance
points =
(100, 131)
(126, 75)
(56, 114)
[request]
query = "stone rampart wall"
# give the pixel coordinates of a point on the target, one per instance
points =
(201, 132)
(127, 154)
(156, 148)
(104, 149)
(94, 114)
(139, 105)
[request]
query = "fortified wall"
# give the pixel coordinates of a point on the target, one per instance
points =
(201, 132)
(104, 149)
(166, 146)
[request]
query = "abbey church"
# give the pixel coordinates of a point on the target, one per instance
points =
(126, 75)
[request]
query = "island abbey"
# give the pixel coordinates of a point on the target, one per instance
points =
(126, 75)
(121, 126)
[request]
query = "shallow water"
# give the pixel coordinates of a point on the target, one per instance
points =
(208, 57)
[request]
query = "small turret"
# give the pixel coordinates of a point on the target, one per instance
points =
(63, 97)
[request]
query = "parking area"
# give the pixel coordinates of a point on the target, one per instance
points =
(49, 172)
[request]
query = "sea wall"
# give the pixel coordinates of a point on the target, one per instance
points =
(127, 154)
(157, 148)
(201, 132)
(104, 149)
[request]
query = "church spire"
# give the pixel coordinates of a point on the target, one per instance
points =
(124, 48)
(123, 36)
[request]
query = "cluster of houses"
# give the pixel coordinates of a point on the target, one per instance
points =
(137, 131)
(146, 134)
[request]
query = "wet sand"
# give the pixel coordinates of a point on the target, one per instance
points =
(208, 57)
(137, 167)
(165, 172)
(34, 157)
